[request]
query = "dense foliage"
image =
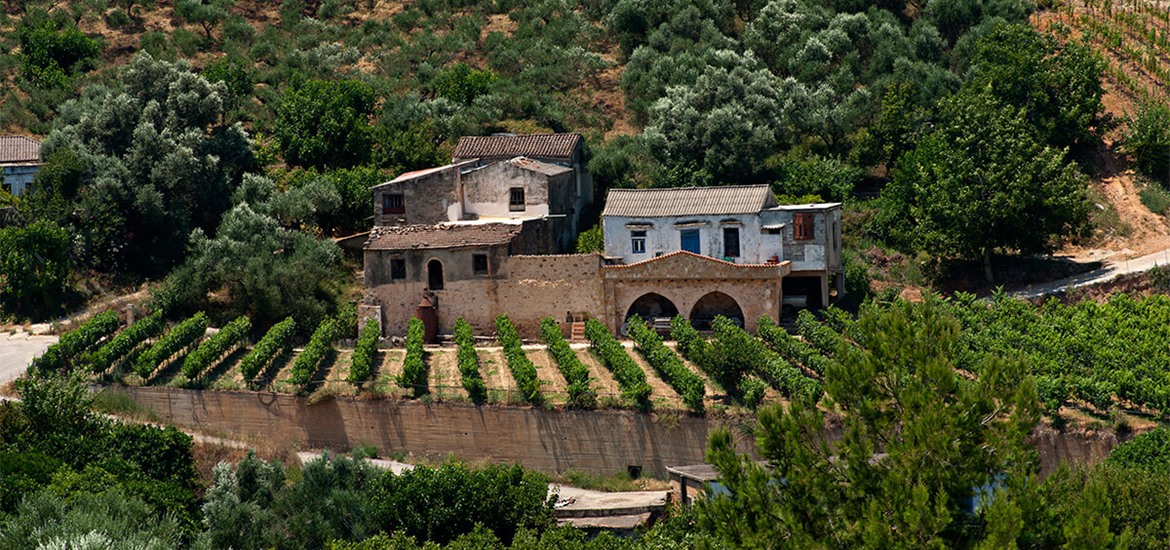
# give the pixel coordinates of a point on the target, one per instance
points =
(77, 341)
(793, 349)
(582, 395)
(320, 344)
(414, 366)
(178, 338)
(277, 340)
(823, 338)
(34, 270)
(523, 371)
(468, 360)
(120, 348)
(667, 363)
(1147, 140)
(739, 354)
(229, 336)
(630, 377)
(365, 351)
(52, 50)
(326, 123)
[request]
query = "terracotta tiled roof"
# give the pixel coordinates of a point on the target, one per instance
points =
(406, 237)
(537, 166)
(552, 146)
(15, 149)
(688, 201)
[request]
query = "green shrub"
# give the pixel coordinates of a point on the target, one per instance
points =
(523, 371)
(50, 53)
(469, 362)
(414, 366)
(790, 347)
(1148, 141)
(613, 355)
(276, 340)
(581, 392)
(77, 341)
(228, 337)
(174, 341)
(125, 342)
(667, 363)
(319, 345)
(364, 352)
(1149, 451)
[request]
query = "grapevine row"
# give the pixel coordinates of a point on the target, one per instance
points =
(613, 355)
(125, 342)
(76, 341)
(180, 337)
(790, 347)
(277, 340)
(522, 369)
(667, 363)
(319, 345)
(468, 360)
(228, 337)
(581, 392)
(364, 352)
(414, 366)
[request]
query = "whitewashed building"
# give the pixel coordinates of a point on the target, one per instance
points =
(20, 160)
(740, 224)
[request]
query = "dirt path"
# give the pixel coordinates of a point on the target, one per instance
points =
(17, 350)
(445, 380)
(1112, 270)
(552, 382)
(497, 377)
(601, 378)
(663, 393)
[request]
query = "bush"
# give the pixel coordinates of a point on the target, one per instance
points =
(1148, 141)
(125, 342)
(77, 341)
(469, 362)
(581, 392)
(309, 359)
(217, 346)
(276, 340)
(667, 363)
(613, 355)
(1149, 451)
(791, 348)
(49, 55)
(523, 371)
(174, 341)
(414, 366)
(821, 337)
(364, 352)
(34, 269)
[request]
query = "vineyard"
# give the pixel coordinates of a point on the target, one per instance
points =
(1098, 356)
(1133, 35)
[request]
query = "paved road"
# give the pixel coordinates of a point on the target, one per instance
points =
(1112, 270)
(17, 350)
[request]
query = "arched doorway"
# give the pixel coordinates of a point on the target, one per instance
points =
(650, 306)
(434, 275)
(712, 305)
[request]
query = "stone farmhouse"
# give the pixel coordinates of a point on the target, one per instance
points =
(20, 160)
(488, 234)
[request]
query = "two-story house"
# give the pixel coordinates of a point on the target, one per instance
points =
(740, 224)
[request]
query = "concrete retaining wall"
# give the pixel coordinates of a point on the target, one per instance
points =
(599, 442)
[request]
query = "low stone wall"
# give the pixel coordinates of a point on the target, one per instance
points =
(599, 442)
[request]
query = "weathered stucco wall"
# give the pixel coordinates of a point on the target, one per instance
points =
(551, 286)
(600, 442)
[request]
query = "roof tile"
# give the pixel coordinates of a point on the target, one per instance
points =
(552, 146)
(688, 201)
(19, 149)
(406, 237)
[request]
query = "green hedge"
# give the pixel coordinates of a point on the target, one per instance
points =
(364, 352)
(523, 371)
(581, 392)
(175, 340)
(668, 364)
(613, 355)
(276, 340)
(126, 341)
(217, 346)
(414, 367)
(790, 347)
(76, 341)
(469, 362)
(319, 345)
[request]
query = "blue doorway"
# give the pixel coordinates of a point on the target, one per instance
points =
(690, 240)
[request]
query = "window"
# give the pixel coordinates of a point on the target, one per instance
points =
(479, 264)
(516, 199)
(802, 226)
(393, 203)
(638, 242)
(731, 242)
(689, 240)
(434, 275)
(397, 269)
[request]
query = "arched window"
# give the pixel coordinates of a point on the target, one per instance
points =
(435, 275)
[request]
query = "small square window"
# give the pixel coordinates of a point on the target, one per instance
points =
(479, 264)
(393, 203)
(397, 269)
(638, 242)
(516, 199)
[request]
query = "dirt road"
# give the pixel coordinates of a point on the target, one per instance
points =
(17, 350)
(1112, 270)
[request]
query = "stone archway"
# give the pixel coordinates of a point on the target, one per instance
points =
(651, 305)
(714, 304)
